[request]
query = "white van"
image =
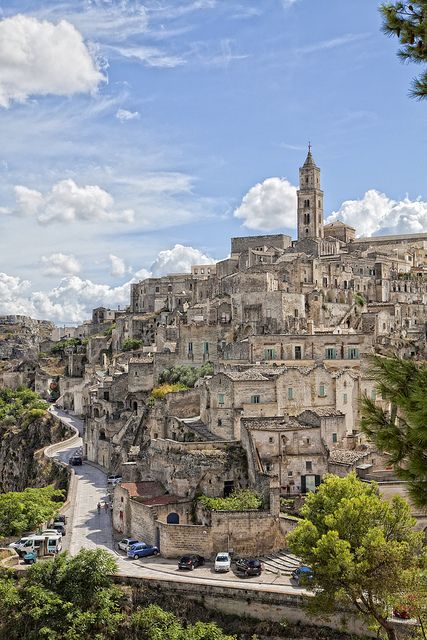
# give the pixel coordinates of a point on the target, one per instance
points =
(45, 544)
(20, 542)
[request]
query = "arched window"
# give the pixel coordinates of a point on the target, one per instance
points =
(172, 518)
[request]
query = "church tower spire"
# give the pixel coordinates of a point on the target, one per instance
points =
(310, 200)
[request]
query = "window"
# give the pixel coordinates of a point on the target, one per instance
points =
(330, 353)
(157, 289)
(344, 398)
(308, 466)
(295, 313)
(334, 438)
(269, 354)
(190, 347)
(373, 394)
(202, 271)
(298, 353)
(255, 399)
(206, 347)
(353, 353)
(290, 393)
(290, 473)
(307, 441)
(219, 422)
(322, 393)
(220, 398)
(271, 440)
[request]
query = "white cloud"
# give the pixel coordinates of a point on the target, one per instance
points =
(71, 301)
(178, 260)
(60, 264)
(40, 58)
(74, 298)
(151, 56)
(333, 43)
(376, 214)
(124, 115)
(269, 205)
(68, 202)
(118, 266)
(288, 3)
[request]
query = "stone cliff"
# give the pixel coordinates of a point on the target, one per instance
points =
(22, 464)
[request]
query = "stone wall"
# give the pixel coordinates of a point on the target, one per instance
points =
(275, 604)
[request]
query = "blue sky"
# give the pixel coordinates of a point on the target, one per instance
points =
(131, 127)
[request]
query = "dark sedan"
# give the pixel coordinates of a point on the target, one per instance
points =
(191, 562)
(249, 566)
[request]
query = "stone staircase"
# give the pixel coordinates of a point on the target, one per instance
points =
(281, 562)
(200, 429)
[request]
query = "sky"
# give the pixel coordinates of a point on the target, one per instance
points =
(138, 136)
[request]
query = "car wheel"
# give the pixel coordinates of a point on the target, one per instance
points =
(136, 556)
(192, 567)
(155, 553)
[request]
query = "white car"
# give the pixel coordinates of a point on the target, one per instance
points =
(114, 479)
(126, 543)
(222, 561)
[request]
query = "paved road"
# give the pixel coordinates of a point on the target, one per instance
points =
(88, 529)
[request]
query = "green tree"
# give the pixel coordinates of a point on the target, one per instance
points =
(153, 623)
(66, 599)
(362, 549)
(408, 22)
(400, 429)
(26, 510)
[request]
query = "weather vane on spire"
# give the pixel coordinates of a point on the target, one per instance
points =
(309, 146)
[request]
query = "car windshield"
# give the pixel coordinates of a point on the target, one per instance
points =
(222, 558)
(185, 559)
(253, 563)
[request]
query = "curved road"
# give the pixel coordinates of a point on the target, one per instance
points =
(88, 529)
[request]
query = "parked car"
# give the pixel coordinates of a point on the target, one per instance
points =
(30, 557)
(114, 479)
(249, 566)
(302, 575)
(58, 526)
(222, 562)
(75, 460)
(140, 550)
(61, 518)
(191, 562)
(127, 543)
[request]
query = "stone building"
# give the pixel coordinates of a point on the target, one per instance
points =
(288, 326)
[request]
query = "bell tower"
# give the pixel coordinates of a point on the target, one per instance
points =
(310, 200)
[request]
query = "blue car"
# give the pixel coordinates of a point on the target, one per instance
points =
(302, 575)
(141, 549)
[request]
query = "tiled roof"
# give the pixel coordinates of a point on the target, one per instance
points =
(326, 412)
(249, 375)
(165, 499)
(147, 489)
(344, 456)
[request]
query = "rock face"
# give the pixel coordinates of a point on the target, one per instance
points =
(20, 466)
(20, 336)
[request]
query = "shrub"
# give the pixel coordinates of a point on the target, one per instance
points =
(236, 501)
(162, 390)
(185, 374)
(131, 344)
